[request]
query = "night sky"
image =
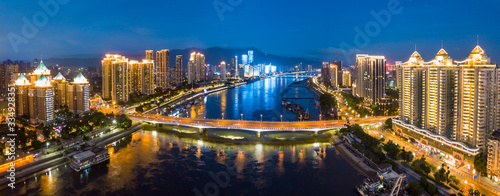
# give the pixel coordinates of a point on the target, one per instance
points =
(313, 30)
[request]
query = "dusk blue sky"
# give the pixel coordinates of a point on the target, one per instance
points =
(313, 30)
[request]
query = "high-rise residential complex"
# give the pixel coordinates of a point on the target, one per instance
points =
(370, 78)
(196, 68)
(178, 71)
(250, 57)
(162, 69)
(459, 101)
(346, 78)
(223, 70)
(38, 94)
(244, 59)
(122, 77)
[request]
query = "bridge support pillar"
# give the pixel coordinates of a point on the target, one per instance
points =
(258, 135)
(315, 133)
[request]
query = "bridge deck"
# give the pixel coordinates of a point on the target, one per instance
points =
(255, 125)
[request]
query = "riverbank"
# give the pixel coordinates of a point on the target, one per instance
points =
(59, 158)
(355, 161)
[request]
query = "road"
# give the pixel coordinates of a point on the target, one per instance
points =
(462, 173)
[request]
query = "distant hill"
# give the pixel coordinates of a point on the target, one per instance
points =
(213, 55)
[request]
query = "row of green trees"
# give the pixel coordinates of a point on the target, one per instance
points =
(329, 106)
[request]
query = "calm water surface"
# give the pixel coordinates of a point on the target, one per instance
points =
(159, 163)
(252, 100)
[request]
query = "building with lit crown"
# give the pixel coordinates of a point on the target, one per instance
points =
(451, 101)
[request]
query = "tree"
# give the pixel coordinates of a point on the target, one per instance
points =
(392, 149)
(47, 131)
(480, 163)
(388, 123)
(414, 188)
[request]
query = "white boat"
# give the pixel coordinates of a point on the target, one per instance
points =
(89, 158)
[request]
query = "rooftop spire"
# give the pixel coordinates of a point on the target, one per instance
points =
(442, 44)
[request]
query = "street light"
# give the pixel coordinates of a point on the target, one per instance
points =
(47, 145)
(222, 115)
(281, 116)
(261, 118)
(241, 116)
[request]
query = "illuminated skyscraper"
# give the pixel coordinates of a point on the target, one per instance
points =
(223, 70)
(78, 95)
(250, 57)
(178, 71)
(162, 69)
(22, 101)
(244, 59)
(6, 72)
(60, 91)
(234, 67)
(339, 72)
(149, 55)
(41, 101)
(370, 78)
(196, 68)
(333, 76)
(115, 78)
(147, 75)
(346, 77)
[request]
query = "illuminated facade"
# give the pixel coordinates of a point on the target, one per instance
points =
(162, 69)
(370, 78)
(223, 70)
(121, 76)
(78, 95)
(346, 78)
(178, 71)
(250, 57)
(459, 101)
(333, 76)
(196, 68)
(493, 164)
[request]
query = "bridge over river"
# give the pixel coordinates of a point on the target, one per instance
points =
(257, 126)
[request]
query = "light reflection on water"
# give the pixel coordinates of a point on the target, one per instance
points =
(163, 163)
(252, 100)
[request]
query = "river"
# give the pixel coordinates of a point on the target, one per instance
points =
(250, 101)
(161, 163)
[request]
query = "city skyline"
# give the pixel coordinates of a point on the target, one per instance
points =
(394, 40)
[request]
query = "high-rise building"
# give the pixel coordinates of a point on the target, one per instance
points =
(7, 71)
(162, 68)
(234, 67)
(116, 78)
(78, 95)
(22, 101)
(458, 101)
(339, 72)
(196, 68)
(60, 91)
(35, 63)
(325, 73)
(41, 101)
(333, 76)
(178, 71)
(346, 77)
(244, 59)
(147, 75)
(250, 57)
(370, 78)
(149, 55)
(309, 67)
(493, 161)
(223, 70)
